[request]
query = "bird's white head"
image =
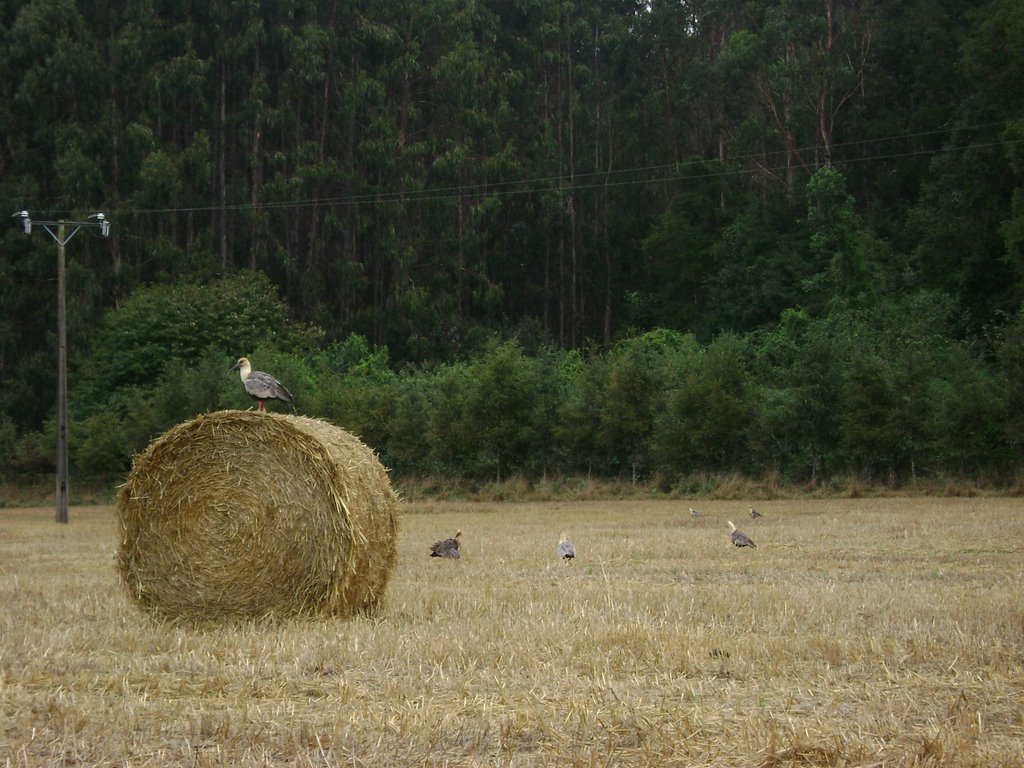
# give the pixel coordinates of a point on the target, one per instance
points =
(243, 366)
(731, 526)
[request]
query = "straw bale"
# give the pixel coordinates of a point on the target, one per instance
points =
(249, 514)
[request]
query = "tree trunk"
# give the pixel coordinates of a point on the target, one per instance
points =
(255, 165)
(222, 167)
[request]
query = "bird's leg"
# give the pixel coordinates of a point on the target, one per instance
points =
(263, 406)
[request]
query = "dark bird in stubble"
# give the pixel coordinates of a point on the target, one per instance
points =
(446, 547)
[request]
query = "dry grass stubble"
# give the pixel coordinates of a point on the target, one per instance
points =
(859, 633)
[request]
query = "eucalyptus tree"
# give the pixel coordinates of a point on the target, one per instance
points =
(56, 80)
(850, 265)
(55, 124)
(993, 60)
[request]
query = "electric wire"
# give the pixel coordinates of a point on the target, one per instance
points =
(767, 162)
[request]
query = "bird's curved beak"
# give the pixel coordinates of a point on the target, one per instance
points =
(233, 368)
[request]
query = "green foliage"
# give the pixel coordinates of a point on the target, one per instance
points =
(164, 324)
(762, 266)
(855, 266)
(621, 239)
(8, 445)
(408, 449)
(100, 447)
(354, 388)
(676, 251)
(577, 421)
(638, 371)
(968, 413)
(801, 370)
(163, 356)
(451, 446)
(503, 411)
(709, 420)
(1010, 358)
(992, 54)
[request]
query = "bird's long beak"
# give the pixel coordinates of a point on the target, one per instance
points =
(233, 368)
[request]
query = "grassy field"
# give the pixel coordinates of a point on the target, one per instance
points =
(881, 632)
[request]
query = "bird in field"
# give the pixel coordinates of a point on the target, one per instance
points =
(694, 512)
(739, 538)
(261, 386)
(566, 550)
(754, 514)
(446, 547)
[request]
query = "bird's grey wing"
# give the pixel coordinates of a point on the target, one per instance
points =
(445, 548)
(260, 385)
(740, 539)
(281, 392)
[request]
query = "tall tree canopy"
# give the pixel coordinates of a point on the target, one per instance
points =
(437, 177)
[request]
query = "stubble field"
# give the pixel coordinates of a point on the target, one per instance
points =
(870, 632)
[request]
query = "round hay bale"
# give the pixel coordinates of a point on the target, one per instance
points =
(248, 514)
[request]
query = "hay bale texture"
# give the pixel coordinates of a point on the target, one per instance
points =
(248, 514)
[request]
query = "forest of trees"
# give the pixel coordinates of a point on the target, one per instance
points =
(536, 237)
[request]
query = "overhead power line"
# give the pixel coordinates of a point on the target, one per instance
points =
(652, 174)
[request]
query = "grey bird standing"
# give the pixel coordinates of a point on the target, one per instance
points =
(739, 538)
(261, 386)
(566, 550)
(754, 514)
(446, 547)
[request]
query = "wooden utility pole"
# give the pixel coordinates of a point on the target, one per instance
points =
(62, 383)
(65, 230)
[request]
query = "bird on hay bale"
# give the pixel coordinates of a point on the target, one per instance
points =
(739, 538)
(754, 514)
(446, 547)
(261, 386)
(566, 550)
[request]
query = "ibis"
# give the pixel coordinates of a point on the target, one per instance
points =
(739, 538)
(261, 386)
(566, 550)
